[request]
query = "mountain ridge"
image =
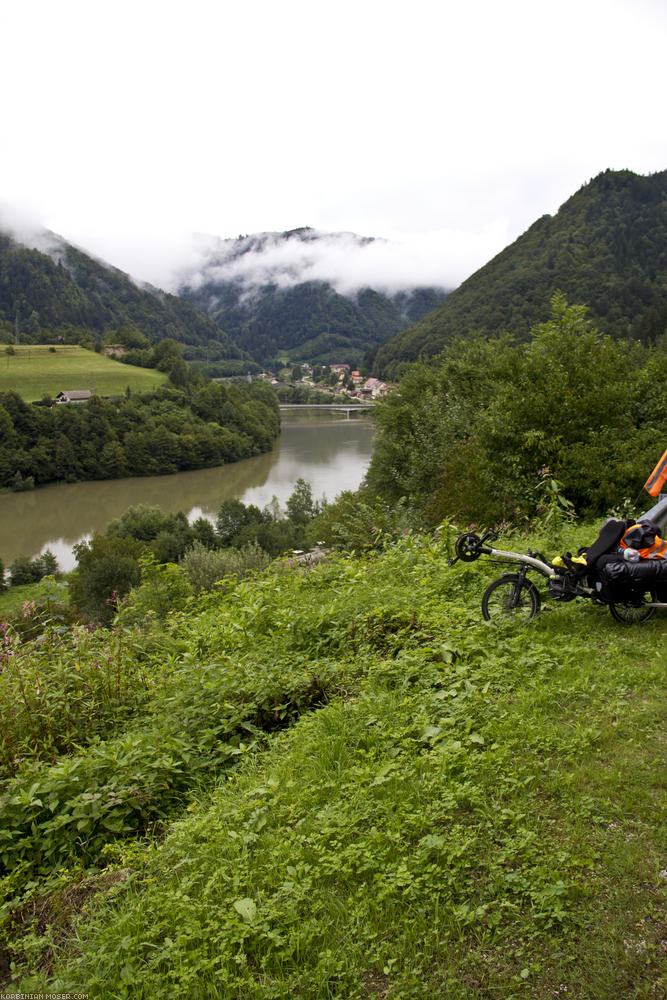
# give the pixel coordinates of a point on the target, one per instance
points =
(67, 290)
(606, 247)
(305, 293)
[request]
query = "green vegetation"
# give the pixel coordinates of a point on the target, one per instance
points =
(140, 545)
(469, 812)
(14, 599)
(157, 433)
(72, 295)
(24, 571)
(466, 437)
(305, 394)
(607, 246)
(311, 321)
(336, 781)
(35, 370)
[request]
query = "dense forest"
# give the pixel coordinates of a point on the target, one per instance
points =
(260, 290)
(311, 321)
(73, 295)
(466, 437)
(606, 246)
(151, 434)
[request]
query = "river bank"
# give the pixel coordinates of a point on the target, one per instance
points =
(327, 449)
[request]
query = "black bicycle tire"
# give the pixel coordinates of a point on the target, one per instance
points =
(625, 618)
(530, 590)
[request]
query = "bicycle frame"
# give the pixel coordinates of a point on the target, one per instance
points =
(470, 546)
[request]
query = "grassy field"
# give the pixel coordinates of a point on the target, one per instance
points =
(35, 370)
(340, 784)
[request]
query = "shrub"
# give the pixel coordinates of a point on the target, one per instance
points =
(233, 515)
(353, 523)
(20, 484)
(23, 571)
(142, 522)
(164, 587)
(107, 568)
(205, 567)
(45, 564)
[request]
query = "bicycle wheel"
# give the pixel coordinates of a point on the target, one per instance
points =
(509, 595)
(635, 609)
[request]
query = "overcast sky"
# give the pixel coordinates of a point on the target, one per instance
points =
(446, 127)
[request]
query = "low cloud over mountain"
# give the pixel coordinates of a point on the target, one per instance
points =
(345, 261)
(308, 294)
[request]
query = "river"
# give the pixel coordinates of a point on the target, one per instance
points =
(329, 450)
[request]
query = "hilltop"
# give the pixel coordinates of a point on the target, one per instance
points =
(606, 247)
(59, 289)
(304, 294)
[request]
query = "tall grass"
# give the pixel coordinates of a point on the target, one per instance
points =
(472, 812)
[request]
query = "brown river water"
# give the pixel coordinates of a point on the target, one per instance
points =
(327, 449)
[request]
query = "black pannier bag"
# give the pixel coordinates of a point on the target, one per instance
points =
(619, 577)
(609, 572)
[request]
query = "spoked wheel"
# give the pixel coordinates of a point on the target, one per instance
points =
(635, 610)
(510, 596)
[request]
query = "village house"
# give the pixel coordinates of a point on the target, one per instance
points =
(74, 396)
(339, 370)
(374, 388)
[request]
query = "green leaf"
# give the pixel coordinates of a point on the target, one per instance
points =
(247, 908)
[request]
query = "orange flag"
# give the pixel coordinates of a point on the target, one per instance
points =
(658, 477)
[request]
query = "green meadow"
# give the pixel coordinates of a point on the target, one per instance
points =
(336, 783)
(36, 370)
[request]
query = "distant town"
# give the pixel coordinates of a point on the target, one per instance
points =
(336, 379)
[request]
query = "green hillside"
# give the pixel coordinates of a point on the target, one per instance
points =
(338, 784)
(311, 321)
(70, 292)
(268, 311)
(606, 247)
(36, 370)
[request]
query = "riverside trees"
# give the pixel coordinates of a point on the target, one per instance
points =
(152, 434)
(466, 436)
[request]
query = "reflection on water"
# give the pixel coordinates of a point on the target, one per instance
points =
(329, 451)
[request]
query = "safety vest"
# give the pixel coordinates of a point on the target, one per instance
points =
(645, 540)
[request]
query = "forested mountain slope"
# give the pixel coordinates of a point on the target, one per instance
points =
(606, 247)
(66, 290)
(301, 293)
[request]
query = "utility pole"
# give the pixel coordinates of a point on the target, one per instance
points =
(17, 336)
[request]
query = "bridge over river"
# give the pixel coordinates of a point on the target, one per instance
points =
(347, 408)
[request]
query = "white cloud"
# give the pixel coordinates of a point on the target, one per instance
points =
(441, 259)
(438, 126)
